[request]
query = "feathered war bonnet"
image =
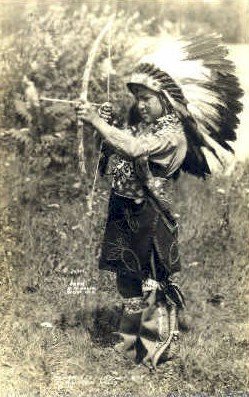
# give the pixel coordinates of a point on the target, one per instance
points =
(199, 82)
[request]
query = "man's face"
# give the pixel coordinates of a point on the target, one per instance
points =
(148, 104)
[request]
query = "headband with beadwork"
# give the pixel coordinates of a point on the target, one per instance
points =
(151, 77)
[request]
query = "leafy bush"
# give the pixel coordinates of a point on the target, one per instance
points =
(47, 58)
(49, 239)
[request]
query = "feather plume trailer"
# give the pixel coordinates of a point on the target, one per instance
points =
(200, 82)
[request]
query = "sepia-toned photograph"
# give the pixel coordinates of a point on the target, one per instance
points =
(124, 198)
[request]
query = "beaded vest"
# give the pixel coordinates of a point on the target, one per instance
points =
(125, 181)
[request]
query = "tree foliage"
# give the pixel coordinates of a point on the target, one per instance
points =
(47, 58)
(45, 49)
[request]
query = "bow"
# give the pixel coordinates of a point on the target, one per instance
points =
(84, 93)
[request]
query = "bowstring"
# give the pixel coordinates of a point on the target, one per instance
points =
(109, 64)
(90, 202)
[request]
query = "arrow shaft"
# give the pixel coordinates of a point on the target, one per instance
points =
(43, 98)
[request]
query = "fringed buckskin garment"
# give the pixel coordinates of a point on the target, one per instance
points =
(140, 241)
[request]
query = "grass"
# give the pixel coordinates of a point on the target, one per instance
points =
(55, 343)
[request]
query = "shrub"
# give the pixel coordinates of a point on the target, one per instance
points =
(47, 58)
